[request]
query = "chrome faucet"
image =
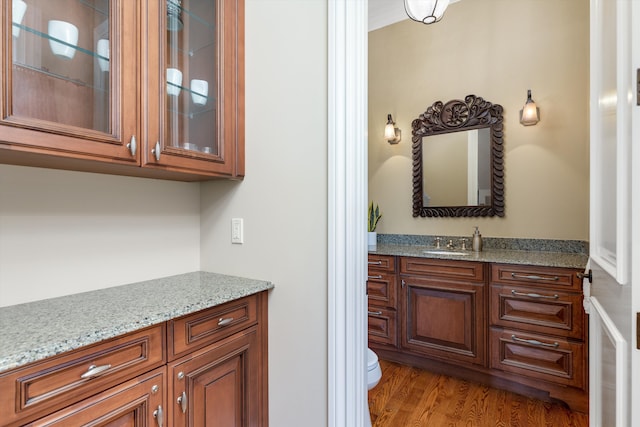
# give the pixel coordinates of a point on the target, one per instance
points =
(438, 243)
(450, 245)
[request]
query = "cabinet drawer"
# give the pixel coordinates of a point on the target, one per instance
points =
(59, 381)
(537, 356)
(560, 278)
(208, 326)
(543, 311)
(382, 290)
(384, 263)
(461, 270)
(382, 326)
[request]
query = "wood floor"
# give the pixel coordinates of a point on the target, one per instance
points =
(411, 397)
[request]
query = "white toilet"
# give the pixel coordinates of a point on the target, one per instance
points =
(374, 373)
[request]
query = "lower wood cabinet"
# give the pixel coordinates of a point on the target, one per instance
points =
(208, 368)
(519, 327)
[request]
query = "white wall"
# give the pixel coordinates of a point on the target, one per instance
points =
(65, 232)
(283, 200)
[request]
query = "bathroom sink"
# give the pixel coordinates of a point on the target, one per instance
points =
(445, 252)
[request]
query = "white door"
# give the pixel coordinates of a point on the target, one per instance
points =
(615, 214)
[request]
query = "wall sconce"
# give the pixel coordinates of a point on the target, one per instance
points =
(426, 11)
(530, 114)
(391, 133)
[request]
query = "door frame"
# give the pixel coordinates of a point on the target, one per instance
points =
(347, 194)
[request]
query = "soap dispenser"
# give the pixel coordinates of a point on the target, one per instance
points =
(477, 241)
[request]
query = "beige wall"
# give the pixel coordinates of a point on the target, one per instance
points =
(63, 232)
(496, 49)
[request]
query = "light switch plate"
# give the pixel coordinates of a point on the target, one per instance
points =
(237, 230)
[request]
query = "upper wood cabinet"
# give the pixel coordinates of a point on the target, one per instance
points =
(143, 88)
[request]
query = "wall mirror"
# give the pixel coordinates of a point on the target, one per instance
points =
(458, 164)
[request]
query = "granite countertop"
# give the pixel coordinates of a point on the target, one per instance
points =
(40, 329)
(527, 257)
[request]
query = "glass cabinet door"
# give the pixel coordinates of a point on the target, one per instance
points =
(197, 74)
(70, 71)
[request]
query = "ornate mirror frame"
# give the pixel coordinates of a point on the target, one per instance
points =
(454, 116)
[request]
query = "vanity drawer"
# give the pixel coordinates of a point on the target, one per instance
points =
(538, 310)
(208, 326)
(560, 278)
(461, 270)
(382, 326)
(382, 290)
(537, 356)
(381, 263)
(43, 387)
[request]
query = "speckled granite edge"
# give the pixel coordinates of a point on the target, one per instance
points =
(37, 330)
(491, 243)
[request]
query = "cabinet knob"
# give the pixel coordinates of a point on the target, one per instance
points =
(156, 151)
(133, 146)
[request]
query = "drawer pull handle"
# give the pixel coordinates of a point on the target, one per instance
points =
(379, 276)
(375, 262)
(532, 277)
(182, 401)
(535, 342)
(94, 371)
(158, 414)
(374, 313)
(532, 295)
(225, 321)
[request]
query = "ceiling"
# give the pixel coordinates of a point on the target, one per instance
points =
(387, 12)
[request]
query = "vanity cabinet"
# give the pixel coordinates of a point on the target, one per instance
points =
(538, 324)
(517, 327)
(206, 368)
(141, 88)
(382, 300)
(444, 309)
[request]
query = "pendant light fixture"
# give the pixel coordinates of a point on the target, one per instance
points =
(426, 11)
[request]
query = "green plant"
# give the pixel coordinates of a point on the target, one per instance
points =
(374, 217)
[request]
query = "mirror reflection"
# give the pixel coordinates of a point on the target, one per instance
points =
(456, 169)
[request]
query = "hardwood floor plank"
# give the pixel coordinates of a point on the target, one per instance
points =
(411, 397)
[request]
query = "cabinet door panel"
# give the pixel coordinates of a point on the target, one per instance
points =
(221, 384)
(67, 87)
(444, 320)
(193, 83)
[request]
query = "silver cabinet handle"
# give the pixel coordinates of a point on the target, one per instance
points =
(534, 342)
(374, 313)
(94, 371)
(182, 401)
(158, 414)
(533, 277)
(375, 262)
(532, 295)
(225, 321)
(133, 146)
(156, 151)
(379, 276)
(402, 283)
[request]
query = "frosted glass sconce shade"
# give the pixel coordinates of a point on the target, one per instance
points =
(391, 132)
(530, 113)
